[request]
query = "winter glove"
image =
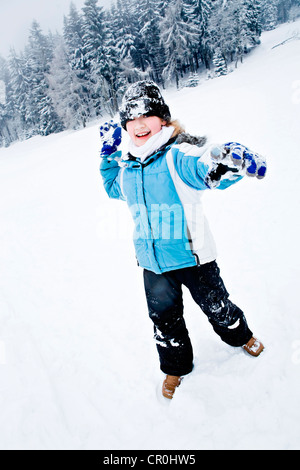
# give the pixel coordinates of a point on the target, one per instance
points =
(111, 137)
(231, 162)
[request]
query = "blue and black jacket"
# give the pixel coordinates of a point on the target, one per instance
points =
(164, 196)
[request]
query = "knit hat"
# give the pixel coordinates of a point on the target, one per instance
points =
(143, 98)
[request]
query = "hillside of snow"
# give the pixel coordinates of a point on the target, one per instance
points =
(78, 364)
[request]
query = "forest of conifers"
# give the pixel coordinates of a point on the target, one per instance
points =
(64, 80)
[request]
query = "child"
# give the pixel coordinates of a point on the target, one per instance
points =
(162, 179)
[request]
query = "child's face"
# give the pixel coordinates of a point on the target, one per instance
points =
(142, 128)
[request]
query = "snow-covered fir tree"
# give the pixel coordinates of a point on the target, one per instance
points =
(192, 81)
(94, 50)
(139, 52)
(126, 45)
(38, 55)
(124, 30)
(251, 17)
(239, 41)
(20, 97)
(65, 89)
(268, 14)
(7, 134)
(219, 62)
(113, 83)
(176, 38)
(149, 17)
(73, 36)
(196, 14)
(74, 47)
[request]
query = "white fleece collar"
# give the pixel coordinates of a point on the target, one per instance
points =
(153, 144)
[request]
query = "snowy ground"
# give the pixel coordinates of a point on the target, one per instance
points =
(78, 365)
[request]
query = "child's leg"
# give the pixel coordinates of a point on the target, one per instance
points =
(209, 292)
(164, 298)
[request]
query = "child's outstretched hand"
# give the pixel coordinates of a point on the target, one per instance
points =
(231, 161)
(111, 137)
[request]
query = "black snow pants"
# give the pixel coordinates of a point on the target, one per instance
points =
(164, 299)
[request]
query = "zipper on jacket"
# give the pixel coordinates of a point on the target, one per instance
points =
(148, 219)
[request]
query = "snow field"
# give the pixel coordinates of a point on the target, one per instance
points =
(78, 365)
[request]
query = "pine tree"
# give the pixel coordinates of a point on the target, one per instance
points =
(73, 32)
(220, 66)
(149, 17)
(6, 119)
(268, 14)
(238, 35)
(124, 32)
(74, 46)
(40, 47)
(216, 31)
(200, 13)
(251, 13)
(65, 90)
(113, 82)
(4, 140)
(176, 37)
(125, 51)
(192, 15)
(73, 36)
(94, 50)
(40, 109)
(193, 80)
(3, 78)
(21, 93)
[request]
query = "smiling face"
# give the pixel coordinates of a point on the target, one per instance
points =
(142, 128)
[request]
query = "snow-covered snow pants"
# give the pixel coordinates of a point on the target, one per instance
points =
(165, 304)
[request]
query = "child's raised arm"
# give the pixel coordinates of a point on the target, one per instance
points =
(216, 166)
(232, 161)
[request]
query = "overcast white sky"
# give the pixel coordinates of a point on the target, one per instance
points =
(16, 17)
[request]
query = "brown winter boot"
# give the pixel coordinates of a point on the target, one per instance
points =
(169, 385)
(253, 347)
